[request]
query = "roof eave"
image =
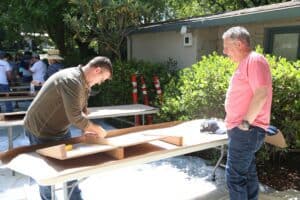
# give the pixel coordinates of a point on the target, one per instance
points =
(217, 20)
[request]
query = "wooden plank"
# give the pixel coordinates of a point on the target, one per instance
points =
(141, 128)
(176, 140)
(7, 156)
(276, 140)
(98, 145)
(78, 150)
(116, 153)
(132, 139)
(57, 151)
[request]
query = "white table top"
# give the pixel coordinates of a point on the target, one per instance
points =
(16, 98)
(119, 111)
(102, 112)
(20, 87)
(50, 171)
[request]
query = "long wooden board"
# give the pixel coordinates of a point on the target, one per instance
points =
(78, 150)
(94, 145)
(7, 156)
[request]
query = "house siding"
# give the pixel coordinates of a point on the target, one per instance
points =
(160, 46)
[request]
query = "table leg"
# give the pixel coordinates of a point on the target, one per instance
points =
(65, 190)
(17, 105)
(218, 163)
(10, 137)
(53, 192)
(143, 119)
(10, 140)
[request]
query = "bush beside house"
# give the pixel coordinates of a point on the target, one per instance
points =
(199, 92)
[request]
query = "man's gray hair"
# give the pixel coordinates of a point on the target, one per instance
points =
(237, 33)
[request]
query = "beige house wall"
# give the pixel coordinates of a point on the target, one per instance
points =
(160, 46)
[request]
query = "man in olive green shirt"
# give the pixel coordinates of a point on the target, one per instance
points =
(62, 102)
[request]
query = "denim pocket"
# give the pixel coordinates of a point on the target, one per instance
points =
(239, 140)
(260, 137)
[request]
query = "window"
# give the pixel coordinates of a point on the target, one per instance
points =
(283, 41)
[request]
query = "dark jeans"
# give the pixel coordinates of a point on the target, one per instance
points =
(8, 104)
(241, 175)
(45, 191)
(26, 79)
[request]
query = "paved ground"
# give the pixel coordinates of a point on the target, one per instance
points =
(179, 178)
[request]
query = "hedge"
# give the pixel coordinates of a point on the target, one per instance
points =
(199, 92)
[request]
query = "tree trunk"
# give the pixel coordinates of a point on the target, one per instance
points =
(57, 34)
(84, 49)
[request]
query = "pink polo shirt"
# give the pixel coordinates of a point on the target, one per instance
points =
(252, 73)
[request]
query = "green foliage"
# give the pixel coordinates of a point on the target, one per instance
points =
(198, 91)
(119, 90)
(105, 21)
(286, 98)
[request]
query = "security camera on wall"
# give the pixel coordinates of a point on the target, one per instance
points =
(183, 30)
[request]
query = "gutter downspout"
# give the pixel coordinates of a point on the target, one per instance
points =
(129, 47)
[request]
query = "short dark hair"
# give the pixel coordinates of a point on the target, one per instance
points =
(35, 55)
(103, 62)
(2, 54)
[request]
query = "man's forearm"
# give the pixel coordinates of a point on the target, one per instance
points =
(256, 104)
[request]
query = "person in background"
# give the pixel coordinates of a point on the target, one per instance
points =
(38, 70)
(13, 65)
(54, 60)
(24, 67)
(62, 102)
(248, 108)
(5, 77)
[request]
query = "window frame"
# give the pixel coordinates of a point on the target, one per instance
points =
(271, 32)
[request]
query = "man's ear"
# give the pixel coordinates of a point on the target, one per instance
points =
(239, 43)
(98, 69)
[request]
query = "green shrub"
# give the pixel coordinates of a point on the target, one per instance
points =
(286, 98)
(199, 92)
(118, 91)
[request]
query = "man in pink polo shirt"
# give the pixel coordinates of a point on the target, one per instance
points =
(248, 107)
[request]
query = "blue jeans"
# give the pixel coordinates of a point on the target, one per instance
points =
(8, 104)
(26, 79)
(240, 174)
(45, 191)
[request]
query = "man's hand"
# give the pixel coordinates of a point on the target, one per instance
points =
(243, 128)
(86, 111)
(245, 125)
(93, 129)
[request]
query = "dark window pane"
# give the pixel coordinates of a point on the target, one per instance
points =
(286, 45)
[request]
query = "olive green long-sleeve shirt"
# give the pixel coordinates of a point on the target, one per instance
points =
(59, 104)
